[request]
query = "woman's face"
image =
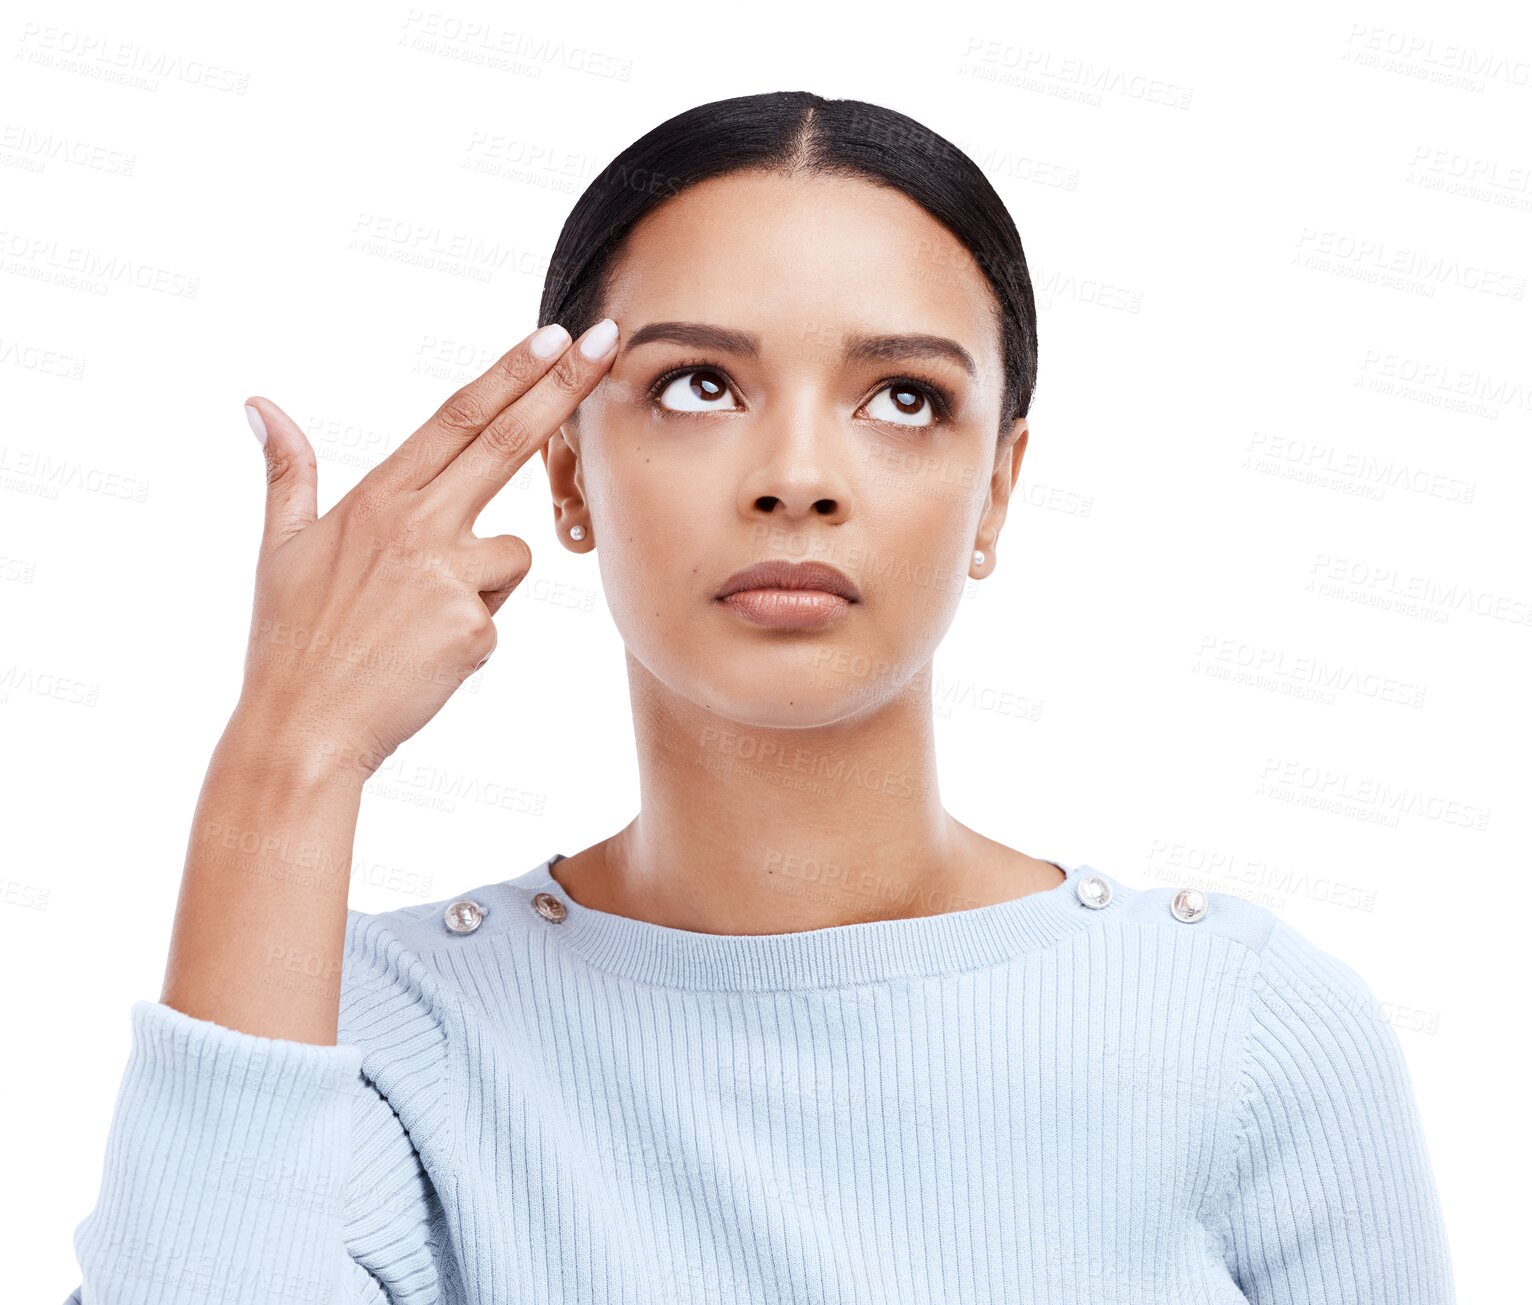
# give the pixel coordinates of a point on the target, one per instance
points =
(777, 437)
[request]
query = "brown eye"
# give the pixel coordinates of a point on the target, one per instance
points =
(697, 389)
(905, 402)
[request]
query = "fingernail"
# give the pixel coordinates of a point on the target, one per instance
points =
(256, 423)
(599, 339)
(552, 339)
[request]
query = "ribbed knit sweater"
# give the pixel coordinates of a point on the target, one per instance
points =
(1049, 1099)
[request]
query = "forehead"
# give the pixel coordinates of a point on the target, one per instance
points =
(802, 258)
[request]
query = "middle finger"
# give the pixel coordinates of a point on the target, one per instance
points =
(462, 418)
(482, 469)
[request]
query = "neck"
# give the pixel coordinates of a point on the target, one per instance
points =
(749, 829)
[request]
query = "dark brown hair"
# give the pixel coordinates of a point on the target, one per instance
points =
(792, 132)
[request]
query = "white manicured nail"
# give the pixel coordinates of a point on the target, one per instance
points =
(256, 423)
(552, 339)
(599, 339)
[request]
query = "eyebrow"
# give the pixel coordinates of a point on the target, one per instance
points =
(859, 348)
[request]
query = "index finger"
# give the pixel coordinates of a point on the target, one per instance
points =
(481, 470)
(464, 415)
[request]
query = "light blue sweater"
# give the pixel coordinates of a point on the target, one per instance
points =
(1051, 1099)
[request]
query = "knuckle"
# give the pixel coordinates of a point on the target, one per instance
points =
(510, 433)
(508, 553)
(503, 566)
(519, 556)
(470, 622)
(486, 644)
(567, 374)
(517, 368)
(281, 465)
(462, 412)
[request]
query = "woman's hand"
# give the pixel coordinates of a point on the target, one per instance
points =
(367, 619)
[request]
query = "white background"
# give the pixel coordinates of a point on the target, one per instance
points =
(1262, 612)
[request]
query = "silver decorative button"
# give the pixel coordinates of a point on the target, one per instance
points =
(1189, 905)
(464, 915)
(549, 907)
(1094, 891)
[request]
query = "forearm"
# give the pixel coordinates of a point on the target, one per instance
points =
(260, 925)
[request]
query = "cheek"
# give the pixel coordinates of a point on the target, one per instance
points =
(648, 524)
(919, 536)
(915, 559)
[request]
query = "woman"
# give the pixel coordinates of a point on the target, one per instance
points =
(794, 1033)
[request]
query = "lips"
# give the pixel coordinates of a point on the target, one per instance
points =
(791, 575)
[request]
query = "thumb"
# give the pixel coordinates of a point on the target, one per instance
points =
(292, 475)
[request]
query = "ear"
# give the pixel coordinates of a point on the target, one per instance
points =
(566, 484)
(1002, 481)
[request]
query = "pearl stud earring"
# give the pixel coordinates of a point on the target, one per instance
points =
(577, 532)
(978, 557)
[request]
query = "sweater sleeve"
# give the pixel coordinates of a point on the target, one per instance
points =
(1332, 1198)
(248, 1169)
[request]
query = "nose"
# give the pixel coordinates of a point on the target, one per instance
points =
(799, 472)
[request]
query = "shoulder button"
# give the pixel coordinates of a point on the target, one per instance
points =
(1189, 905)
(464, 915)
(1094, 891)
(549, 907)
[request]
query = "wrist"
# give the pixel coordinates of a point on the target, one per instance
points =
(263, 737)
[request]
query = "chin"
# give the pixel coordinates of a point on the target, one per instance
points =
(800, 687)
(761, 679)
(777, 711)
